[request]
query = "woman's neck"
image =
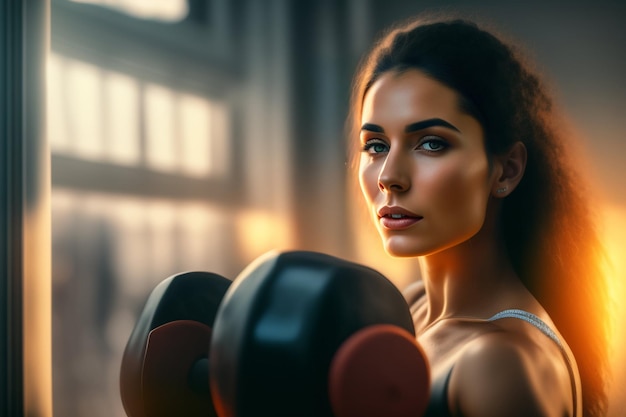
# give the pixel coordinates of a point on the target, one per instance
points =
(473, 279)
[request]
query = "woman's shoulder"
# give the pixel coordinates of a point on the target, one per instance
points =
(509, 373)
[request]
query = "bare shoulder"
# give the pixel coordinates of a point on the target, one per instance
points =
(507, 373)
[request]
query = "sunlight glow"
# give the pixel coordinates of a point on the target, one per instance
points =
(260, 231)
(614, 238)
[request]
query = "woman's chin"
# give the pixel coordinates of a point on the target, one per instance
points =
(400, 248)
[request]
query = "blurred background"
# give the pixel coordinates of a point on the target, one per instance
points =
(199, 134)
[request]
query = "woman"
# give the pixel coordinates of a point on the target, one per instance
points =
(462, 162)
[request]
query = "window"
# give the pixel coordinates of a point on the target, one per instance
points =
(144, 172)
(99, 115)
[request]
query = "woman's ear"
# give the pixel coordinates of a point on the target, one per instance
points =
(511, 166)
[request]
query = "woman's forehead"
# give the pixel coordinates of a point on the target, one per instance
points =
(408, 95)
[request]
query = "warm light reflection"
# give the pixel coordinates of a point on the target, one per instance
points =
(261, 231)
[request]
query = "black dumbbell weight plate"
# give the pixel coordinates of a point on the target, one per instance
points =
(282, 322)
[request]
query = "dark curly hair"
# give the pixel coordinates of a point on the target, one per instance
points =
(546, 222)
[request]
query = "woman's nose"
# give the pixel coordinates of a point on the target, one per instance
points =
(394, 176)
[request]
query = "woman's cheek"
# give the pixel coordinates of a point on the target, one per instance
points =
(368, 180)
(455, 186)
(439, 181)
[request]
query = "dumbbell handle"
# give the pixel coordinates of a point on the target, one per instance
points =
(199, 376)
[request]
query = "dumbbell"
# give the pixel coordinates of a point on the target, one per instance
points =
(307, 334)
(164, 371)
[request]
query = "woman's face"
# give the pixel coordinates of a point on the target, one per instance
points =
(423, 168)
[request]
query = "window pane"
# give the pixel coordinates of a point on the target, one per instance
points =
(122, 124)
(195, 114)
(161, 149)
(83, 88)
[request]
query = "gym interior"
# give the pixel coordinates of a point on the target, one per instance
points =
(197, 135)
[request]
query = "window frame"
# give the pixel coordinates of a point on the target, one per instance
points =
(25, 304)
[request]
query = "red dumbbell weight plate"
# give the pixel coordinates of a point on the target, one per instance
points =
(379, 371)
(165, 385)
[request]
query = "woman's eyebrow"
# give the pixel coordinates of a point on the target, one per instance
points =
(372, 128)
(413, 127)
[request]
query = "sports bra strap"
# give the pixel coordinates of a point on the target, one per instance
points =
(545, 329)
(530, 318)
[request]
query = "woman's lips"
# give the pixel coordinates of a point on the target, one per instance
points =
(399, 223)
(397, 218)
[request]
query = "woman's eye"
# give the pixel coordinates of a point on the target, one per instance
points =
(374, 147)
(433, 145)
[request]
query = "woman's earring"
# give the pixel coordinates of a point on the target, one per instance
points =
(501, 190)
